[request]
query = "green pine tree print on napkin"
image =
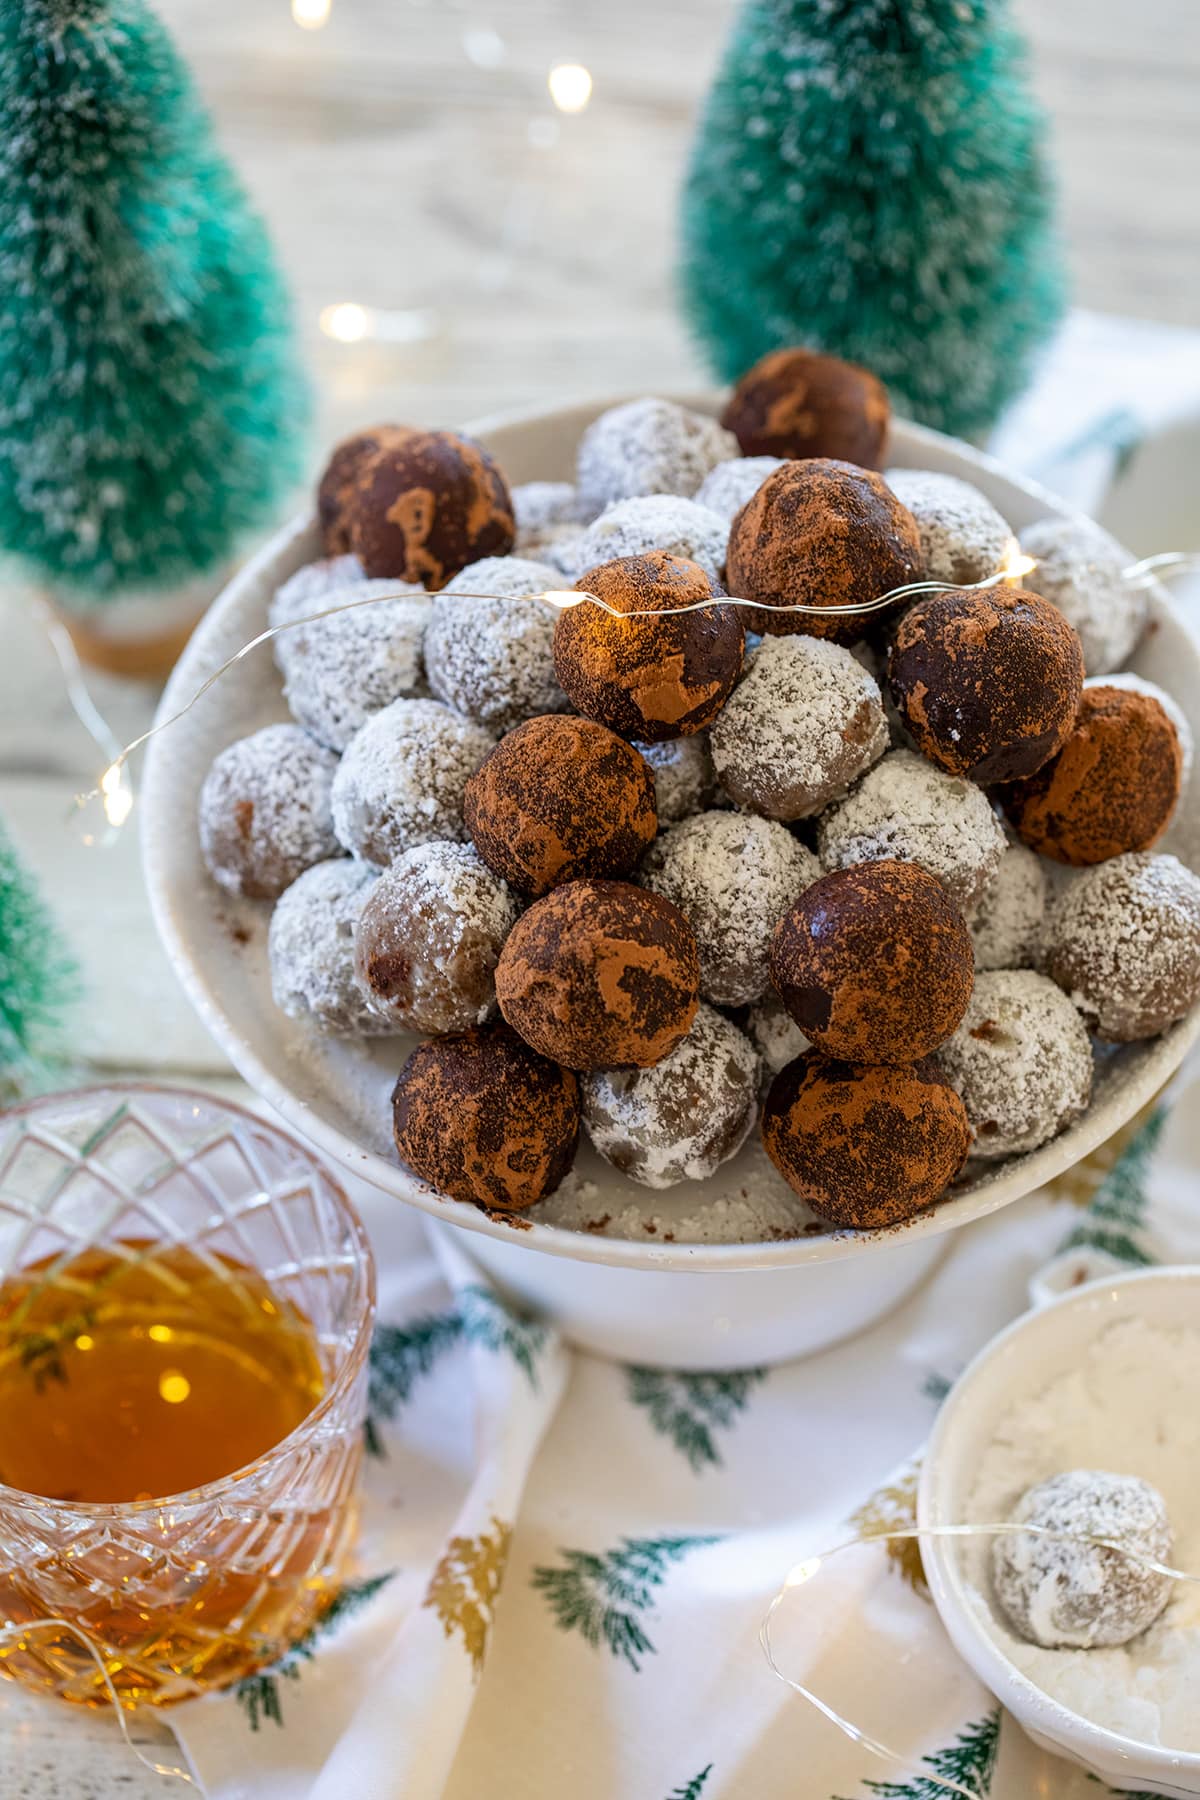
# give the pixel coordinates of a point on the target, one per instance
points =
(1116, 1219)
(690, 1409)
(259, 1695)
(691, 1790)
(970, 1761)
(604, 1595)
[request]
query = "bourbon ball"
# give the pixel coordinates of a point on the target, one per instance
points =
(429, 935)
(684, 528)
(866, 1146)
(1123, 942)
(423, 508)
(820, 533)
(963, 537)
(874, 963)
(560, 798)
(1005, 921)
(310, 949)
(1081, 570)
(987, 684)
(796, 402)
(266, 811)
(1112, 787)
(336, 488)
(600, 975)
(649, 678)
(1021, 1060)
(481, 1117)
(403, 778)
(726, 489)
(493, 657)
(647, 446)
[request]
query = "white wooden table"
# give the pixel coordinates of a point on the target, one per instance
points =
(400, 173)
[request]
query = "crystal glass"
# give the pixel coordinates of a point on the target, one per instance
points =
(157, 1600)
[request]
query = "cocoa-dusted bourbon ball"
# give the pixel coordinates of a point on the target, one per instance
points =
(601, 975)
(481, 1117)
(865, 1146)
(649, 678)
(559, 798)
(988, 684)
(799, 403)
(874, 963)
(1112, 787)
(335, 490)
(424, 507)
(820, 533)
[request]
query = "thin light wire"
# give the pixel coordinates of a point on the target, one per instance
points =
(804, 1572)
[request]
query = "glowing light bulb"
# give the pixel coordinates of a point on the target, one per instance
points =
(116, 795)
(1016, 563)
(347, 322)
(174, 1387)
(311, 15)
(562, 598)
(570, 86)
(803, 1572)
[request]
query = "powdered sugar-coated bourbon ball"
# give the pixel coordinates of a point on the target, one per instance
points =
(804, 722)
(1123, 941)
(1080, 570)
(874, 963)
(336, 488)
(1112, 787)
(403, 778)
(481, 1117)
(685, 781)
(493, 658)
(429, 937)
(648, 447)
(797, 402)
(865, 1146)
(310, 948)
(422, 509)
(681, 527)
(265, 811)
(560, 798)
(726, 489)
(680, 1120)
(963, 538)
(820, 534)
(1065, 1593)
(1021, 1061)
(339, 672)
(544, 510)
(663, 675)
(906, 809)
(774, 1032)
(987, 684)
(310, 589)
(1005, 921)
(600, 975)
(732, 876)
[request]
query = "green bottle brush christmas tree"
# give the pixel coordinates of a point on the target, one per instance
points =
(36, 977)
(868, 179)
(151, 405)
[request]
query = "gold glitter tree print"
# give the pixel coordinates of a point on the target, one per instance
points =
(894, 1508)
(465, 1586)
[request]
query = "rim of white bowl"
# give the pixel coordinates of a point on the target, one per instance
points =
(1011, 1181)
(946, 1584)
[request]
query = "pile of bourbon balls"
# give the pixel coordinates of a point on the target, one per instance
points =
(870, 881)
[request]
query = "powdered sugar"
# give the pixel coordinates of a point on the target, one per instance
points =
(681, 1119)
(803, 723)
(402, 779)
(310, 588)
(685, 781)
(648, 447)
(494, 659)
(775, 1032)
(963, 537)
(1005, 920)
(311, 950)
(1079, 570)
(1021, 1062)
(906, 808)
(726, 489)
(549, 515)
(339, 672)
(732, 876)
(265, 811)
(1129, 1407)
(651, 522)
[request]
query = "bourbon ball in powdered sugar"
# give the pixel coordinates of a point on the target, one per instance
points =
(774, 1033)
(1021, 1062)
(802, 724)
(648, 447)
(732, 876)
(339, 672)
(403, 778)
(1006, 919)
(650, 522)
(493, 658)
(685, 781)
(1123, 941)
(266, 811)
(310, 948)
(680, 1120)
(963, 537)
(429, 937)
(310, 589)
(726, 489)
(1080, 570)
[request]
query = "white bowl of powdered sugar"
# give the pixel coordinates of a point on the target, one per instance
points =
(1105, 1380)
